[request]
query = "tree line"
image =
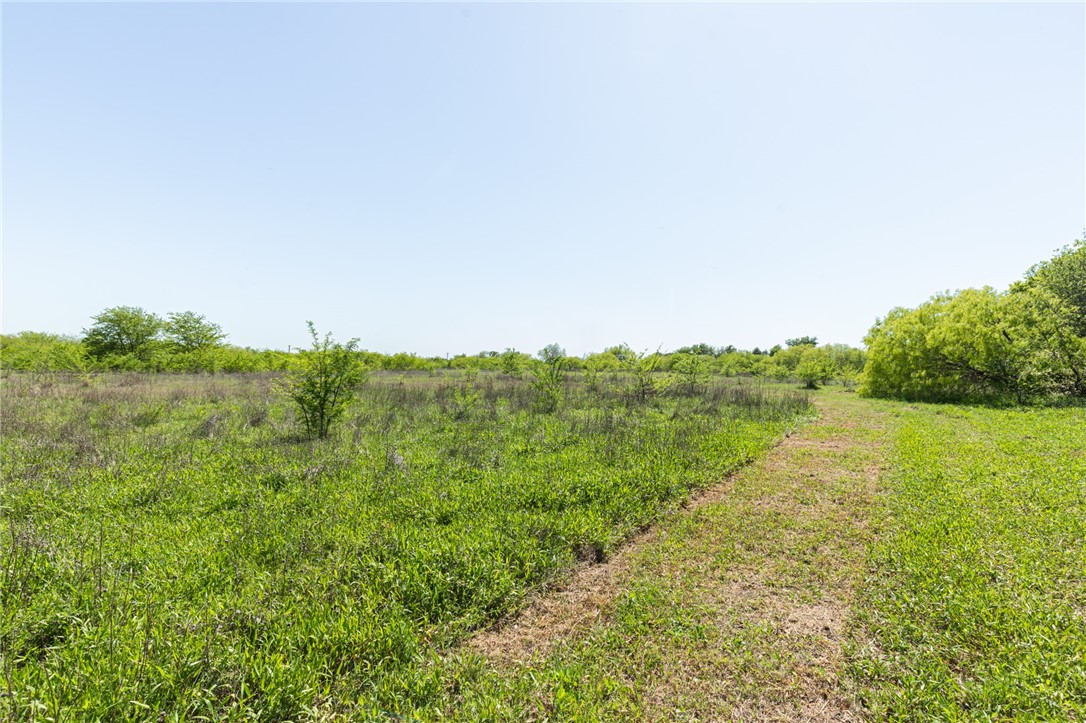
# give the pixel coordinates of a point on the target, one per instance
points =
(129, 338)
(1025, 344)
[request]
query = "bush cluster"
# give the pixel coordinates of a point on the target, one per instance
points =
(1024, 344)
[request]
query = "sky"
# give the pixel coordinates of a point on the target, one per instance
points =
(452, 178)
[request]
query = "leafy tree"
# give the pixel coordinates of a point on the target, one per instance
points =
(122, 330)
(976, 344)
(188, 331)
(734, 362)
(693, 370)
(815, 367)
(802, 341)
(702, 349)
(323, 382)
(1064, 276)
(622, 352)
(512, 362)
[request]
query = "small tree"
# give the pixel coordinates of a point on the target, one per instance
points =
(324, 381)
(511, 363)
(549, 375)
(693, 369)
(815, 367)
(644, 366)
(188, 331)
(122, 330)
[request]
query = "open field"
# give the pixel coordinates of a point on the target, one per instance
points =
(171, 548)
(974, 606)
(890, 562)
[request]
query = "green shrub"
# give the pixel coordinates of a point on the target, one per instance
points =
(549, 374)
(323, 382)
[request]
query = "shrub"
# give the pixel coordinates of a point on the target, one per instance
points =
(323, 382)
(815, 367)
(549, 375)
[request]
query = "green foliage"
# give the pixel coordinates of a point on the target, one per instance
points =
(769, 368)
(701, 349)
(623, 353)
(188, 331)
(847, 360)
(549, 375)
(642, 367)
(121, 331)
(168, 553)
(323, 382)
(1064, 276)
(815, 367)
(693, 370)
(802, 341)
(976, 344)
(513, 363)
(972, 609)
(36, 352)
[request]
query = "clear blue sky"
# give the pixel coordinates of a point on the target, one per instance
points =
(454, 178)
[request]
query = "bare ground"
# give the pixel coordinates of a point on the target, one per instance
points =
(767, 561)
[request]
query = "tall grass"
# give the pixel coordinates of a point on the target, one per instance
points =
(173, 549)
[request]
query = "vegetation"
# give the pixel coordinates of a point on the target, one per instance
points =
(973, 606)
(123, 330)
(173, 550)
(131, 339)
(1023, 344)
(549, 375)
(323, 382)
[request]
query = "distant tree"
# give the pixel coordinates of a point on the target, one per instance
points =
(692, 369)
(802, 341)
(122, 330)
(188, 331)
(622, 352)
(324, 381)
(702, 349)
(644, 366)
(815, 367)
(512, 362)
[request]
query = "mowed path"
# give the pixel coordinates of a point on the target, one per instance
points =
(735, 608)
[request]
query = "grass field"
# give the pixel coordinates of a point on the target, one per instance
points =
(891, 562)
(172, 550)
(975, 603)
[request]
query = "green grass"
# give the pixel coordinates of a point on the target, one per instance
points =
(698, 628)
(171, 549)
(975, 607)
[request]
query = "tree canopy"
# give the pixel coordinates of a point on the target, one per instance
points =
(1025, 343)
(189, 331)
(122, 330)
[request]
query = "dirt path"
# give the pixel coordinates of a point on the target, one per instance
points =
(762, 568)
